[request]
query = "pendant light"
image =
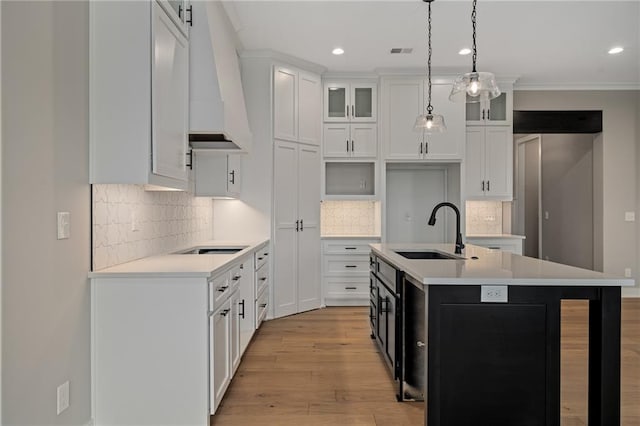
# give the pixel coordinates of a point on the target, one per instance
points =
(474, 86)
(429, 123)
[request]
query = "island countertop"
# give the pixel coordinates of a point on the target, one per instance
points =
(491, 267)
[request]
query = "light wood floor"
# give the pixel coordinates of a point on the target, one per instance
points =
(321, 368)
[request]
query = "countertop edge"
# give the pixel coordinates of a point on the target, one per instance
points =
(114, 272)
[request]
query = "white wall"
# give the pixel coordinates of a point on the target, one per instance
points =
(620, 141)
(45, 312)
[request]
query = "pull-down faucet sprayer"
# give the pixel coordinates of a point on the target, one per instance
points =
(432, 221)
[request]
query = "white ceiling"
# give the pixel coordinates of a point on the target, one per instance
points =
(554, 44)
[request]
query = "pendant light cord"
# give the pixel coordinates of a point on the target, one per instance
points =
(473, 23)
(429, 107)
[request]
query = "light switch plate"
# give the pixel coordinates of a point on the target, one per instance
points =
(494, 294)
(64, 225)
(629, 216)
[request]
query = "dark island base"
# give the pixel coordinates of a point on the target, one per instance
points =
(498, 364)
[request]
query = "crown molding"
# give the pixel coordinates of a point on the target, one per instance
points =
(576, 86)
(283, 57)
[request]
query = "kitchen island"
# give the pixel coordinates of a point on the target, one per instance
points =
(483, 329)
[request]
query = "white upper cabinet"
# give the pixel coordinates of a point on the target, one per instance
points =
(495, 112)
(403, 99)
(297, 103)
(489, 163)
(350, 101)
(169, 119)
(180, 12)
(139, 95)
(217, 174)
(343, 140)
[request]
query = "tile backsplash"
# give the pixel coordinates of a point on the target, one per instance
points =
(484, 217)
(164, 221)
(350, 218)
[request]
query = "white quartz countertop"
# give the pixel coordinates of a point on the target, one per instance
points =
(180, 265)
(495, 236)
(350, 237)
(491, 267)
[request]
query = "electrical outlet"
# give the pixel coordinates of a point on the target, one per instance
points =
(494, 293)
(62, 397)
(627, 272)
(64, 225)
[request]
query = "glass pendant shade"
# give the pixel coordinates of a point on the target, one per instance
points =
(474, 87)
(430, 123)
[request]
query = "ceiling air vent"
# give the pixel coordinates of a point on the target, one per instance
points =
(401, 50)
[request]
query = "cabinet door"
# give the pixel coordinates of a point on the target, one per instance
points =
(498, 170)
(474, 162)
(448, 145)
(285, 202)
(310, 104)
(308, 274)
(234, 338)
(337, 142)
(179, 12)
(285, 104)
(247, 297)
(364, 140)
(402, 102)
(219, 351)
(364, 102)
(336, 102)
(169, 97)
(234, 174)
(497, 111)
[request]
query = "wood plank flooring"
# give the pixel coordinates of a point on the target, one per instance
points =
(322, 368)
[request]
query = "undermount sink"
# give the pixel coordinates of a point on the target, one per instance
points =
(427, 254)
(213, 250)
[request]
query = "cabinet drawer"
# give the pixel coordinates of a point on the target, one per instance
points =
(504, 244)
(219, 290)
(237, 274)
(261, 256)
(348, 246)
(347, 288)
(262, 278)
(346, 265)
(262, 305)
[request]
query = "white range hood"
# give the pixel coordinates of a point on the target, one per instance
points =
(217, 111)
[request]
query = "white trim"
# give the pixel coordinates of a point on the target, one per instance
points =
(283, 57)
(1, 242)
(577, 86)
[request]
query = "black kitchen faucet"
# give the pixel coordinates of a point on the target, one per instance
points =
(432, 221)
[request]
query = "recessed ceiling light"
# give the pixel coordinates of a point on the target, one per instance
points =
(464, 51)
(615, 50)
(337, 51)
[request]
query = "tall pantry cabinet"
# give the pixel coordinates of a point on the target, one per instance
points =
(296, 190)
(284, 103)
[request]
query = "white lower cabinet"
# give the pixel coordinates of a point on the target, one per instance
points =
(220, 350)
(345, 271)
(171, 345)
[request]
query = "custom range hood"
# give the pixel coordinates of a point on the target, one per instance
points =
(217, 111)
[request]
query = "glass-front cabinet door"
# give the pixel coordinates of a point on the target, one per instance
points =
(336, 102)
(363, 102)
(355, 102)
(180, 13)
(497, 111)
